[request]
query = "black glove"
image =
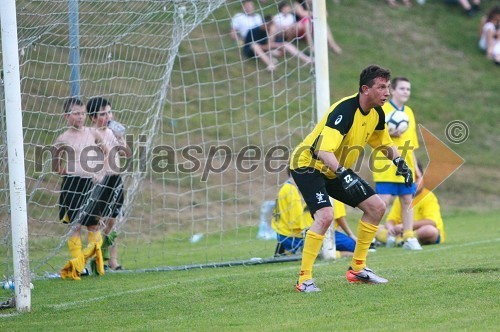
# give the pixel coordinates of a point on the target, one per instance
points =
(351, 182)
(404, 170)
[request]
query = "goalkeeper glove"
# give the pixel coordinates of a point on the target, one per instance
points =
(351, 182)
(404, 170)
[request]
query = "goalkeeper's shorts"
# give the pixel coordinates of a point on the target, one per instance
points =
(316, 187)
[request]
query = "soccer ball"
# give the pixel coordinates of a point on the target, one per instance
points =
(397, 122)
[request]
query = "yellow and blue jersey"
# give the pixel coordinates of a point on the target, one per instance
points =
(407, 143)
(290, 215)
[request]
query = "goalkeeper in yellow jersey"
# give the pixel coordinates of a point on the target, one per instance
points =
(428, 223)
(387, 184)
(320, 167)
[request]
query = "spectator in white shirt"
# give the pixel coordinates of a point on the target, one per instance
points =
(489, 28)
(285, 22)
(241, 23)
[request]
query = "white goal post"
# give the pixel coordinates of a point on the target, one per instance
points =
(14, 125)
(210, 129)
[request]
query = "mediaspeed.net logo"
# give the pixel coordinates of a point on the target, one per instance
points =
(443, 161)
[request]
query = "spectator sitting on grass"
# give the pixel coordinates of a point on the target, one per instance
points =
(260, 43)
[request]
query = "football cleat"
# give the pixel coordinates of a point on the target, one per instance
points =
(364, 276)
(307, 286)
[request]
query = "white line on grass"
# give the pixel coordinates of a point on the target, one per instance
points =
(12, 314)
(434, 248)
(147, 289)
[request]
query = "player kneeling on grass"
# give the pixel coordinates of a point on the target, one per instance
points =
(320, 168)
(428, 224)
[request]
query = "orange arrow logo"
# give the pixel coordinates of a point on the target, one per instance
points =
(443, 162)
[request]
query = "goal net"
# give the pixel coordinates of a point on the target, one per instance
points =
(210, 129)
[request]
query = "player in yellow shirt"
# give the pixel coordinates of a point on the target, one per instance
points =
(320, 167)
(387, 184)
(428, 224)
(291, 218)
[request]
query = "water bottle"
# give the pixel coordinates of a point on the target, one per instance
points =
(196, 238)
(266, 232)
(117, 128)
(9, 285)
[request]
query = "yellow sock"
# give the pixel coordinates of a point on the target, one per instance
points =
(407, 235)
(312, 245)
(366, 233)
(75, 246)
(95, 237)
(382, 235)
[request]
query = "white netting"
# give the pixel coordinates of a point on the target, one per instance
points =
(181, 86)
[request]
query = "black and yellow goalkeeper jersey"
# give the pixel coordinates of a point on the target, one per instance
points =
(344, 130)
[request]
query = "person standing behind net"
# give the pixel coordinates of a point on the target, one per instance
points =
(111, 191)
(320, 168)
(74, 157)
(387, 183)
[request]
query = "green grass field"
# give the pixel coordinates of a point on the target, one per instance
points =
(453, 286)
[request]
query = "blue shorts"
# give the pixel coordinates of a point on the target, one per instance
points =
(293, 245)
(438, 240)
(289, 245)
(395, 189)
(344, 242)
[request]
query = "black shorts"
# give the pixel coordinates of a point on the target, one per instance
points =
(75, 202)
(315, 189)
(248, 51)
(110, 195)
